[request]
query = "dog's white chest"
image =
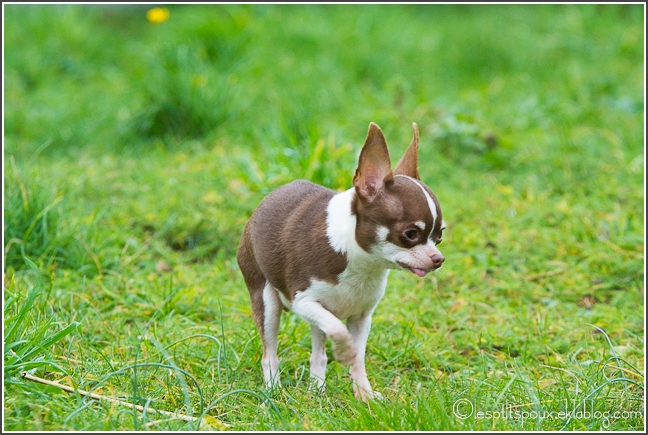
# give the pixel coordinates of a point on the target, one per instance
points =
(357, 292)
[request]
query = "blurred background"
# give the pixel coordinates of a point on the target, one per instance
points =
(277, 92)
(139, 139)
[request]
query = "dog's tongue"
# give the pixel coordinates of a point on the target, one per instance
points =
(419, 272)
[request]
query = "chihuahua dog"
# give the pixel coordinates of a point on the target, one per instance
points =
(326, 255)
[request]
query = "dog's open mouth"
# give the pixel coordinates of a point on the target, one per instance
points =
(417, 271)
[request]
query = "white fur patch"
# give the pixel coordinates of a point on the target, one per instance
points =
(269, 306)
(340, 223)
(430, 202)
(271, 316)
(286, 303)
(360, 287)
(420, 224)
(382, 233)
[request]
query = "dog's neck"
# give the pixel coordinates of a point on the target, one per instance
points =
(341, 232)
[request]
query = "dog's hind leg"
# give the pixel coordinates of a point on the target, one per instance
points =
(266, 310)
(271, 315)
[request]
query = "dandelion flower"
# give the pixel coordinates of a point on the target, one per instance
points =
(157, 15)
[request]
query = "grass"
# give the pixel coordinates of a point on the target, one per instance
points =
(135, 153)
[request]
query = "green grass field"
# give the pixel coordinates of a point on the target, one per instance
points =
(134, 153)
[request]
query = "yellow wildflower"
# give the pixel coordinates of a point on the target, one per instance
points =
(157, 15)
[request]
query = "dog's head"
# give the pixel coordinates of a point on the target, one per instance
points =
(398, 217)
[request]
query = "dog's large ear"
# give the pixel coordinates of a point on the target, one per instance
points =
(408, 165)
(374, 166)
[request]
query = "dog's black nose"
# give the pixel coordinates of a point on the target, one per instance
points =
(437, 260)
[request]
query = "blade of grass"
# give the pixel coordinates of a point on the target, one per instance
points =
(115, 400)
(32, 294)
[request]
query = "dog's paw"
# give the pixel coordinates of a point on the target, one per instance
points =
(317, 387)
(273, 385)
(366, 394)
(345, 352)
(343, 348)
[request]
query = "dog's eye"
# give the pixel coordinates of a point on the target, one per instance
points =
(411, 234)
(439, 242)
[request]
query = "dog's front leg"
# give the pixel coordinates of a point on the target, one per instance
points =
(359, 328)
(314, 313)
(318, 359)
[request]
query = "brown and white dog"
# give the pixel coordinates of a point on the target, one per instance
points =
(326, 255)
